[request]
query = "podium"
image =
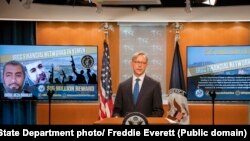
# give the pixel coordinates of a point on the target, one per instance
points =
(118, 121)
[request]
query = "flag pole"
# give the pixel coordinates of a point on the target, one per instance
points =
(106, 27)
(106, 100)
(177, 27)
(177, 75)
(178, 110)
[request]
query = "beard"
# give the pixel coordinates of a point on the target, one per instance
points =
(13, 88)
(42, 78)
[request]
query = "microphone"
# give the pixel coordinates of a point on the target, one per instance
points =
(50, 93)
(212, 94)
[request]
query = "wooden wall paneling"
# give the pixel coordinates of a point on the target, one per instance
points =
(226, 114)
(87, 114)
(67, 113)
(88, 33)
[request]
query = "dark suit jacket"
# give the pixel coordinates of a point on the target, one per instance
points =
(149, 100)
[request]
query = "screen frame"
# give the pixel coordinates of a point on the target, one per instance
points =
(205, 92)
(93, 87)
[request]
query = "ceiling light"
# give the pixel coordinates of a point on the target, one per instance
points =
(130, 2)
(142, 8)
(27, 4)
(8, 1)
(209, 2)
(188, 8)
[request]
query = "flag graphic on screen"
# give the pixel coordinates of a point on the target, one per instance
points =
(106, 101)
(177, 76)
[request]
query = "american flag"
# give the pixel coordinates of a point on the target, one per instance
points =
(106, 100)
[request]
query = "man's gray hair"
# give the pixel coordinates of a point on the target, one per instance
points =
(135, 55)
(14, 63)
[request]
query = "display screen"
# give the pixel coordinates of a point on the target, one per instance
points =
(30, 72)
(223, 70)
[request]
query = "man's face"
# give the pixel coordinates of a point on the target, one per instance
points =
(139, 65)
(36, 72)
(13, 78)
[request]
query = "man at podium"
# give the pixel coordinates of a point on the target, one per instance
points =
(139, 93)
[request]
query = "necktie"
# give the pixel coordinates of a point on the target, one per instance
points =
(136, 90)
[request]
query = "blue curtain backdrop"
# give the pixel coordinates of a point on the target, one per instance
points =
(17, 112)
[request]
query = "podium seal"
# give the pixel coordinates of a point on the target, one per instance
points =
(135, 118)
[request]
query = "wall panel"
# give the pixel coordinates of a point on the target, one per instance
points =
(78, 33)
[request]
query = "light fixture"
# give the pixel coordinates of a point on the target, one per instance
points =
(98, 5)
(142, 8)
(188, 8)
(8, 1)
(27, 4)
(209, 2)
